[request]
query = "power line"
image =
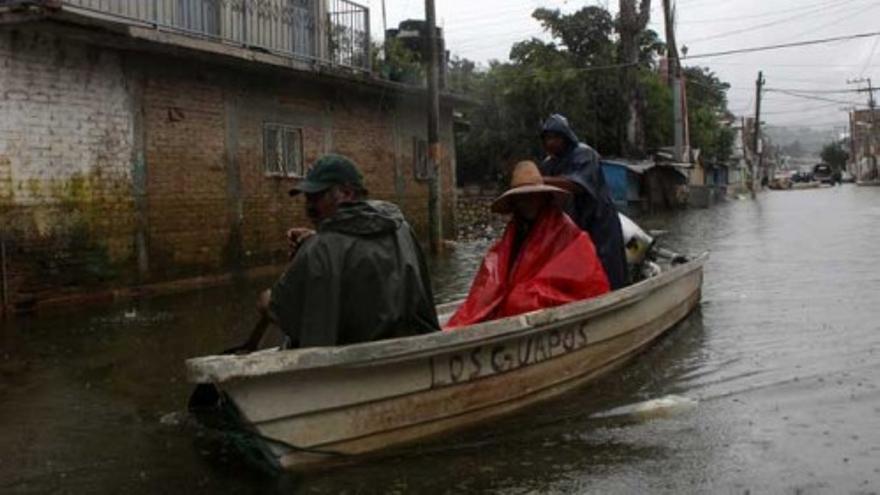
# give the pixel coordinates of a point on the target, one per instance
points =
(808, 97)
(870, 58)
(754, 16)
(836, 21)
(782, 45)
(762, 26)
(817, 91)
(801, 109)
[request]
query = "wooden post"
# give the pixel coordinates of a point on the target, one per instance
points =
(674, 70)
(756, 161)
(384, 20)
(871, 140)
(435, 154)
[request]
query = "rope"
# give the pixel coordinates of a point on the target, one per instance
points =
(231, 423)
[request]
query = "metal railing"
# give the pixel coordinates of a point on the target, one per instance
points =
(336, 32)
(349, 33)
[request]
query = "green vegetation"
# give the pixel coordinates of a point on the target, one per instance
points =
(393, 61)
(835, 154)
(707, 106)
(578, 73)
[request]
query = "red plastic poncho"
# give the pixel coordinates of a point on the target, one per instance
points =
(557, 264)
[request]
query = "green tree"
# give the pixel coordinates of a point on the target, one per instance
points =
(835, 154)
(395, 62)
(463, 75)
(576, 73)
(658, 111)
(707, 107)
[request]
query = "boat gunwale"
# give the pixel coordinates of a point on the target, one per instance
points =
(623, 355)
(222, 368)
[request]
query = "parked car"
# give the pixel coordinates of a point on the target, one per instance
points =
(802, 176)
(823, 173)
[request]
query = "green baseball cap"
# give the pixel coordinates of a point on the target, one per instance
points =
(329, 170)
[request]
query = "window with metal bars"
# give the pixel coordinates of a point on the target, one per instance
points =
(282, 150)
(420, 159)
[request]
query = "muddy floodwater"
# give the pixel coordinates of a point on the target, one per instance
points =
(771, 386)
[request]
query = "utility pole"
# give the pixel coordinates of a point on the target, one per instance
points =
(757, 159)
(435, 221)
(384, 20)
(853, 159)
(633, 18)
(674, 69)
(872, 106)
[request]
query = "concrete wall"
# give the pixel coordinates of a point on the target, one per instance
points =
(138, 166)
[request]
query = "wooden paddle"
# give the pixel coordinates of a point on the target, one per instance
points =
(206, 395)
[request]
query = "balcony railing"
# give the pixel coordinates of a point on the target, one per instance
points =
(335, 32)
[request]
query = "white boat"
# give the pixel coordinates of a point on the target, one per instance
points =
(308, 407)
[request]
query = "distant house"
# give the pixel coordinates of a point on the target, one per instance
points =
(865, 142)
(665, 186)
(145, 140)
(737, 166)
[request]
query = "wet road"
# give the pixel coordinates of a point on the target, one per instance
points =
(772, 386)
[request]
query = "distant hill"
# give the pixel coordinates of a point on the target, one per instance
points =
(800, 141)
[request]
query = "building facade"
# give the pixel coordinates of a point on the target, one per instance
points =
(865, 140)
(139, 144)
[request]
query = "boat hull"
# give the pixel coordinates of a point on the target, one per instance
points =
(323, 405)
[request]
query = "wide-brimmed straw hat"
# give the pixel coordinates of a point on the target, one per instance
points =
(526, 179)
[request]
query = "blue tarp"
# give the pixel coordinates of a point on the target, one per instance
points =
(623, 181)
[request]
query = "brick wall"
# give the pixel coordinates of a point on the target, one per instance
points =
(65, 154)
(139, 166)
(204, 154)
(184, 141)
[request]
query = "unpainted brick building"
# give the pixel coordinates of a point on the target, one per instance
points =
(134, 152)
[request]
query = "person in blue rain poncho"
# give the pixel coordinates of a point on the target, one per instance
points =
(574, 166)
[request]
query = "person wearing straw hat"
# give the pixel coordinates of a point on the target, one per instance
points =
(543, 259)
(574, 166)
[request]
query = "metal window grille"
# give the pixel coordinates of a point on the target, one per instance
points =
(349, 33)
(420, 159)
(335, 32)
(283, 150)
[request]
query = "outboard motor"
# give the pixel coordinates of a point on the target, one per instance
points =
(642, 251)
(636, 241)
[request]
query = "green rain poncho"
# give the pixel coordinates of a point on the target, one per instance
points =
(361, 278)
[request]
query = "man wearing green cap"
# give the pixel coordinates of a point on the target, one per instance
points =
(360, 277)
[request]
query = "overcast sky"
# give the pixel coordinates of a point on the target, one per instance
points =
(482, 30)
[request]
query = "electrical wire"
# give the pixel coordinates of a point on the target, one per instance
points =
(765, 25)
(870, 58)
(799, 110)
(742, 50)
(756, 16)
(816, 91)
(780, 46)
(807, 97)
(836, 21)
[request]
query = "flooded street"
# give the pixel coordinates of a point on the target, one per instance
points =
(771, 386)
